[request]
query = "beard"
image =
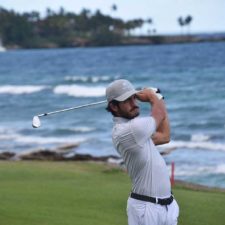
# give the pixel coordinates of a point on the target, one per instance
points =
(134, 112)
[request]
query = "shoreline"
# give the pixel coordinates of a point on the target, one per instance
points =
(112, 161)
(197, 187)
(135, 41)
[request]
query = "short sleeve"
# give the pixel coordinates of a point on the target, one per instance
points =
(143, 128)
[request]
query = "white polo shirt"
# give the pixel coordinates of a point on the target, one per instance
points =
(146, 167)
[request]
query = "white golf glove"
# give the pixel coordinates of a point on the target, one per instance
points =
(157, 92)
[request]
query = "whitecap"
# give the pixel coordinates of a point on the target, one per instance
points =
(200, 137)
(84, 79)
(207, 145)
(182, 171)
(188, 170)
(25, 139)
(82, 129)
(76, 78)
(48, 140)
(79, 90)
(220, 169)
(20, 89)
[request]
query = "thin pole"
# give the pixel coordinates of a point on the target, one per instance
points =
(72, 108)
(172, 178)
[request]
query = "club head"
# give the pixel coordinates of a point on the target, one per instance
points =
(36, 122)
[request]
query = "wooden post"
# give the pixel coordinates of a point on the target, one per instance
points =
(172, 180)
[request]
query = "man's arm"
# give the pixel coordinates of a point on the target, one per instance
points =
(158, 110)
(162, 134)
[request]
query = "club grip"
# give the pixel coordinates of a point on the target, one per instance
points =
(157, 92)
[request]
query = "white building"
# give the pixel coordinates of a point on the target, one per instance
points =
(2, 49)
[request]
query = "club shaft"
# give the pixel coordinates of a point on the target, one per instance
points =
(72, 108)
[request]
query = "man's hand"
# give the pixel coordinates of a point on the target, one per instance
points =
(158, 110)
(162, 134)
(146, 95)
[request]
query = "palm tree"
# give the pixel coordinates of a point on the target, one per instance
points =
(49, 12)
(114, 7)
(181, 22)
(185, 22)
(188, 21)
(149, 21)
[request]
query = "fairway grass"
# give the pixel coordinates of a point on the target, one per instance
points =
(86, 193)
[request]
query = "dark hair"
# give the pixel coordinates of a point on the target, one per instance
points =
(109, 109)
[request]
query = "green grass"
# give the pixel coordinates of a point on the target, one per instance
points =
(78, 193)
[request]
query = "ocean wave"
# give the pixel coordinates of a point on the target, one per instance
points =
(92, 79)
(82, 129)
(20, 89)
(182, 171)
(80, 91)
(7, 134)
(77, 130)
(48, 140)
(25, 139)
(207, 145)
(220, 169)
(200, 137)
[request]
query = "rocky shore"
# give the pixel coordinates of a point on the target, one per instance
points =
(135, 40)
(62, 153)
(172, 39)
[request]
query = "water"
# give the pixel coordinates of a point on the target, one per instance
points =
(191, 76)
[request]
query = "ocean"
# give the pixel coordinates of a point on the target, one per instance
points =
(190, 76)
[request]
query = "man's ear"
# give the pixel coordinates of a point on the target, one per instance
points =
(114, 107)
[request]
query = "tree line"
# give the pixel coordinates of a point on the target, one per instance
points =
(63, 29)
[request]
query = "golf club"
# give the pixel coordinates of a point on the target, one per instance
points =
(36, 119)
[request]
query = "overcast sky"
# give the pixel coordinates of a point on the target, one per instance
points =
(208, 15)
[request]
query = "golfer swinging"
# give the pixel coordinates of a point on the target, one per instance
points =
(150, 201)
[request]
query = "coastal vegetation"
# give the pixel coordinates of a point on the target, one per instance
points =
(68, 29)
(64, 29)
(185, 21)
(83, 193)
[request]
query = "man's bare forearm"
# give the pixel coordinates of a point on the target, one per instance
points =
(159, 113)
(162, 134)
(158, 109)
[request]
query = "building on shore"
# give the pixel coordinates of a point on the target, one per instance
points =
(2, 48)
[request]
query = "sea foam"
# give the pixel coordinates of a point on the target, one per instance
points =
(20, 89)
(207, 145)
(199, 137)
(82, 129)
(80, 91)
(47, 140)
(187, 170)
(9, 135)
(220, 169)
(84, 79)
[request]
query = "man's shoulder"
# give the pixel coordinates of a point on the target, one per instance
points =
(142, 119)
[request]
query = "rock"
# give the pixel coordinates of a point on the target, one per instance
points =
(88, 157)
(58, 153)
(42, 155)
(6, 155)
(66, 147)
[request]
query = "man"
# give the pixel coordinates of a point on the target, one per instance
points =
(134, 137)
